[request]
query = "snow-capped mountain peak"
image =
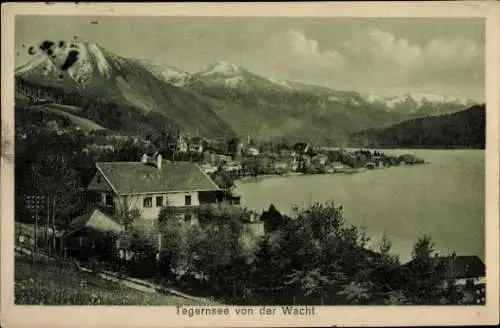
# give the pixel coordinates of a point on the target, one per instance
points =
(221, 68)
(170, 75)
(281, 83)
(370, 98)
(421, 98)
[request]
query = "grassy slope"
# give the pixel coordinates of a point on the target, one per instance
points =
(83, 123)
(47, 284)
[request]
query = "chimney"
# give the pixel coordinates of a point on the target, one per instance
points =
(144, 159)
(159, 162)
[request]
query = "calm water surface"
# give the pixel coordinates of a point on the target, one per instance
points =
(444, 199)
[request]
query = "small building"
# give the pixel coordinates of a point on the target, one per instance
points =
(337, 165)
(302, 147)
(468, 268)
(280, 167)
(209, 169)
(91, 234)
(370, 165)
(195, 146)
(181, 144)
(319, 159)
(233, 166)
(465, 269)
(220, 159)
(252, 151)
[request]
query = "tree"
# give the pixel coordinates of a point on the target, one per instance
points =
(218, 250)
(427, 275)
(423, 249)
(272, 219)
(355, 292)
(178, 248)
(223, 179)
(126, 214)
(130, 152)
(54, 178)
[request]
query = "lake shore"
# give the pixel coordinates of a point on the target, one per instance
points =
(294, 174)
(444, 198)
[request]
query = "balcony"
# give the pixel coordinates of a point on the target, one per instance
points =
(205, 207)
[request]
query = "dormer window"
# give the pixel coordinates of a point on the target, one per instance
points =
(99, 178)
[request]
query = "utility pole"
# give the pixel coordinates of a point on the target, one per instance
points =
(33, 203)
(47, 222)
(53, 212)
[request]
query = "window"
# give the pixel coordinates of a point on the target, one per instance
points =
(188, 216)
(99, 178)
(147, 202)
(187, 200)
(159, 201)
(109, 199)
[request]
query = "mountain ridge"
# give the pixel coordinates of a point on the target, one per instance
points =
(230, 99)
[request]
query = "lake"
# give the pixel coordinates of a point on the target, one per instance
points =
(444, 198)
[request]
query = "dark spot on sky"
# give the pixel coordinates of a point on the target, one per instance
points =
(94, 22)
(17, 53)
(23, 45)
(61, 44)
(32, 51)
(46, 47)
(70, 59)
(75, 37)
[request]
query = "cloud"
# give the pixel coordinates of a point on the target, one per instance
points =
(296, 50)
(377, 56)
(376, 47)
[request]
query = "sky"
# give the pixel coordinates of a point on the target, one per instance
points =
(380, 56)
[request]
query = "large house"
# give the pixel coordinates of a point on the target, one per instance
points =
(153, 184)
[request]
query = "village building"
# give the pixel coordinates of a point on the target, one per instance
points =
(182, 145)
(195, 146)
(208, 168)
(465, 269)
(337, 165)
(233, 166)
(319, 159)
(252, 151)
(281, 167)
(91, 234)
(302, 147)
(218, 159)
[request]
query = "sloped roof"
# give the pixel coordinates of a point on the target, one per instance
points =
(137, 178)
(468, 267)
(95, 220)
(463, 266)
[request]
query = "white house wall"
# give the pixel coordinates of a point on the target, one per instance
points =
(169, 199)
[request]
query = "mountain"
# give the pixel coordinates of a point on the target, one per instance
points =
(127, 83)
(269, 108)
(464, 129)
(422, 104)
(170, 75)
(222, 99)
